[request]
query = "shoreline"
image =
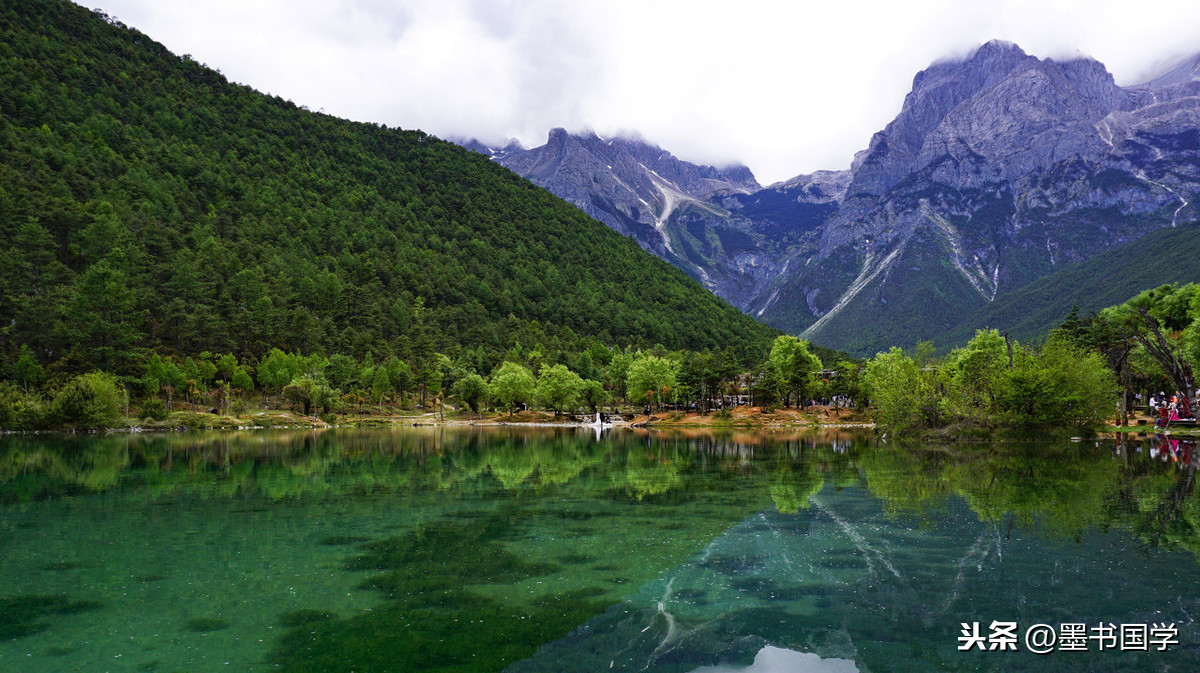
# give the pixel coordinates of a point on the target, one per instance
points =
(737, 418)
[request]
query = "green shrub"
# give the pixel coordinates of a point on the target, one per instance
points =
(20, 410)
(1060, 384)
(311, 393)
(154, 409)
(89, 401)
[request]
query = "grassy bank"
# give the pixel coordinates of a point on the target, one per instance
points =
(259, 417)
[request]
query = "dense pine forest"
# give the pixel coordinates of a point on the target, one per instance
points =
(149, 207)
(171, 240)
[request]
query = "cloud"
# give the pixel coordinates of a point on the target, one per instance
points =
(781, 86)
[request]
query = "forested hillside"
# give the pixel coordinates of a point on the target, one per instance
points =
(149, 205)
(1110, 278)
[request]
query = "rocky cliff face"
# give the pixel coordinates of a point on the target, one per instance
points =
(682, 212)
(999, 169)
(630, 185)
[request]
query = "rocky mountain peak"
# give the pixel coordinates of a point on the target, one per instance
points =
(628, 183)
(1000, 168)
(1176, 83)
(1173, 73)
(989, 106)
(937, 90)
(817, 187)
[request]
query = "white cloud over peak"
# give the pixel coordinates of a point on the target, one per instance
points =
(783, 87)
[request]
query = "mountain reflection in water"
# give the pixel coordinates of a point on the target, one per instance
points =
(776, 660)
(489, 549)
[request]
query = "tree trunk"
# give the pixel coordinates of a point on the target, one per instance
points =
(1118, 362)
(1160, 349)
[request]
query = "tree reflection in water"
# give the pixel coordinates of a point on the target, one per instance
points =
(1142, 484)
(670, 542)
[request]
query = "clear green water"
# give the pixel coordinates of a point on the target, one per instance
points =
(555, 550)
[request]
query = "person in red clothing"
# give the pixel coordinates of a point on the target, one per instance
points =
(1164, 418)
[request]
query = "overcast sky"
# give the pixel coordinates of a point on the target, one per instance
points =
(783, 87)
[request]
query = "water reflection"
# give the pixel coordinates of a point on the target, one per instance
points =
(956, 534)
(777, 660)
(1142, 484)
(554, 549)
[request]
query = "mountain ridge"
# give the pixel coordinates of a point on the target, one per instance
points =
(1000, 168)
(149, 205)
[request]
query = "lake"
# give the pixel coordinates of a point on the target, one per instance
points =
(557, 549)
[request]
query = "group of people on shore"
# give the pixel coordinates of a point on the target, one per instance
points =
(1167, 409)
